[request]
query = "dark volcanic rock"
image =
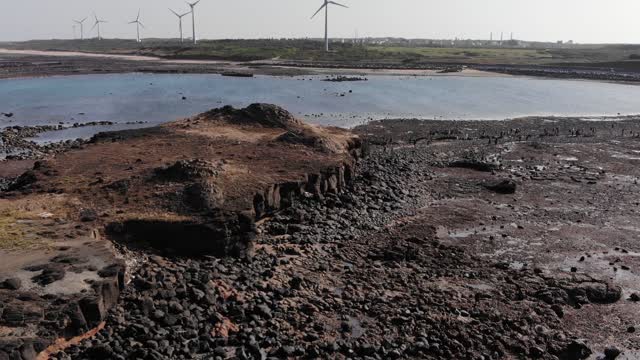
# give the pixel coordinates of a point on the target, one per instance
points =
(203, 196)
(69, 259)
(503, 187)
(50, 273)
(600, 293)
(11, 284)
(473, 165)
(116, 271)
(23, 181)
(263, 114)
(93, 310)
(577, 350)
(264, 311)
(223, 234)
(88, 215)
(13, 315)
(5, 184)
(119, 186)
(20, 349)
(100, 352)
(611, 353)
(184, 170)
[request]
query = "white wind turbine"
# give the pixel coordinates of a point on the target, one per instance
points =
(180, 16)
(325, 6)
(138, 24)
(193, 19)
(97, 23)
(81, 23)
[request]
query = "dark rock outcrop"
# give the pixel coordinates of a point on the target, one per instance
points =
(24, 180)
(221, 234)
(280, 196)
(597, 292)
(473, 165)
(503, 187)
(255, 114)
(55, 316)
(50, 273)
(184, 170)
(11, 284)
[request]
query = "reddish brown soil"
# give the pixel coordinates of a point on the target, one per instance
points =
(195, 179)
(116, 174)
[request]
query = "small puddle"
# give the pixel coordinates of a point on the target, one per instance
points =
(598, 264)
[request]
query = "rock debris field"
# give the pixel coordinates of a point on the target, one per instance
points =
(454, 240)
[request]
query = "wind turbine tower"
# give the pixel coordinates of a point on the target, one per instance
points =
(138, 24)
(97, 24)
(180, 16)
(325, 6)
(193, 20)
(81, 23)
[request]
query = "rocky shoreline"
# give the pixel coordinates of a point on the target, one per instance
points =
(19, 66)
(441, 243)
(606, 72)
(15, 143)
(566, 72)
(55, 298)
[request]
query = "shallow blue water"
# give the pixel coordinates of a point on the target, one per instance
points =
(156, 98)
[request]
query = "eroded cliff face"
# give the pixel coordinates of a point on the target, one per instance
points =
(192, 187)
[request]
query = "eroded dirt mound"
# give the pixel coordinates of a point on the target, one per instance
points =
(250, 161)
(275, 117)
(266, 115)
(188, 169)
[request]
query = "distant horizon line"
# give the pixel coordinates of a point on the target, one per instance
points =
(564, 42)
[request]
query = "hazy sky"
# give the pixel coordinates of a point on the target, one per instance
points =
(549, 20)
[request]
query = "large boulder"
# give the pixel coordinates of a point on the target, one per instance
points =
(597, 292)
(507, 186)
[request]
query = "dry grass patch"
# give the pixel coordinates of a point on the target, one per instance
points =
(13, 235)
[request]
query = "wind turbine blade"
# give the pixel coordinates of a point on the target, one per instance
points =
(321, 7)
(94, 26)
(83, 20)
(174, 13)
(132, 22)
(335, 3)
(141, 24)
(138, 18)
